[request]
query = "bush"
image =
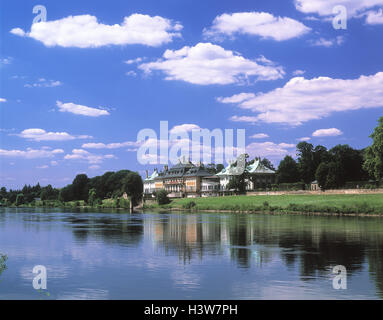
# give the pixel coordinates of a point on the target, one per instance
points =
(189, 205)
(162, 197)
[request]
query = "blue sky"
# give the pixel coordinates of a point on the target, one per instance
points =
(77, 88)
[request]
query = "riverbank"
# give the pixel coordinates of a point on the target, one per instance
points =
(347, 204)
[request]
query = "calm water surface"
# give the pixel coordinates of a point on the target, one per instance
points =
(116, 255)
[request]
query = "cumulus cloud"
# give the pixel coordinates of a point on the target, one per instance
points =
(206, 64)
(259, 136)
(260, 24)
(81, 154)
(29, 153)
(270, 149)
(325, 7)
(355, 9)
(187, 127)
(332, 132)
(37, 134)
(3, 100)
(302, 100)
(81, 110)
(85, 31)
(374, 17)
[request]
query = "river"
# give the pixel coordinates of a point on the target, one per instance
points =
(117, 255)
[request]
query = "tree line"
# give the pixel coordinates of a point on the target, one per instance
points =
(335, 167)
(91, 190)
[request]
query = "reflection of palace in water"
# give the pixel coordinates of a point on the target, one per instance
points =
(310, 244)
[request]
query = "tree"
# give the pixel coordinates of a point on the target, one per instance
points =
(350, 162)
(306, 166)
(267, 163)
(133, 186)
(329, 175)
(66, 194)
(80, 187)
(288, 171)
(92, 197)
(238, 183)
(20, 199)
(373, 163)
(162, 197)
(219, 167)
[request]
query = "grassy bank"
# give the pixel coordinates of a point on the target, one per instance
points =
(104, 204)
(337, 204)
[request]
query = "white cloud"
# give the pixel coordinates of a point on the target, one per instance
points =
(42, 135)
(322, 42)
(43, 167)
(80, 154)
(131, 73)
(261, 24)
(81, 110)
(237, 98)
(18, 32)
(259, 136)
(374, 17)
(43, 83)
(355, 9)
(304, 139)
(325, 7)
(132, 61)
(94, 167)
(84, 31)
(299, 72)
(269, 149)
(54, 163)
(115, 145)
(332, 132)
(248, 119)
(30, 153)
(3, 100)
(206, 64)
(302, 100)
(187, 127)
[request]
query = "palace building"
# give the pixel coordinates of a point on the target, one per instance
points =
(186, 179)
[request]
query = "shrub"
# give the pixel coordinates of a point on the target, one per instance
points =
(162, 197)
(189, 205)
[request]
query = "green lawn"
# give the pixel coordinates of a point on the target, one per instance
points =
(363, 203)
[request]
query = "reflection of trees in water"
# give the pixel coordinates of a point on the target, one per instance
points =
(126, 230)
(313, 244)
(3, 266)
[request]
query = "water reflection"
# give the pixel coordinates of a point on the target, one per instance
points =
(303, 248)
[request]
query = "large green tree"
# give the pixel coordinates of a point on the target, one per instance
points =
(133, 186)
(288, 171)
(374, 154)
(80, 187)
